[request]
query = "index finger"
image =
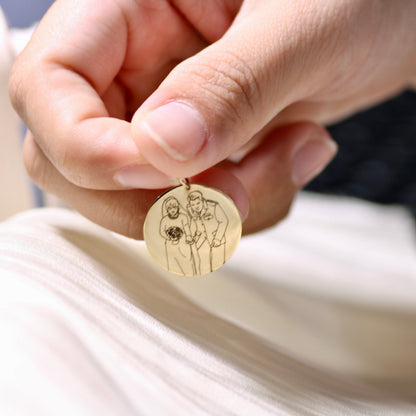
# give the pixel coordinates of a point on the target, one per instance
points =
(68, 86)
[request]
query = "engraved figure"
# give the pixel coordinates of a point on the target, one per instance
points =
(174, 228)
(208, 229)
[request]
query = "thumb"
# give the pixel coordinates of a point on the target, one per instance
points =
(214, 102)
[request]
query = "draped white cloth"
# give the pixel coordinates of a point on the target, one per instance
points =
(314, 317)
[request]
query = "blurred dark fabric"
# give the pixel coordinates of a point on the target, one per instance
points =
(377, 155)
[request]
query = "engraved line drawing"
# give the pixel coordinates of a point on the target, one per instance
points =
(174, 228)
(208, 223)
(195, 238)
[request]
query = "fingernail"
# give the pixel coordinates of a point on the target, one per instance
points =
(177, 128)
(143, 177)
(311, 159)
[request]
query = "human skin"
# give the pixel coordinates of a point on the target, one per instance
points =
(122, 97)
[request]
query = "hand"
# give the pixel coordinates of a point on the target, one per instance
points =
(246, 70)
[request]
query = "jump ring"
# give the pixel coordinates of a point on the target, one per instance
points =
(185, 182)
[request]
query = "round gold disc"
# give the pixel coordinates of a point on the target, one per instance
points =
(192, 230)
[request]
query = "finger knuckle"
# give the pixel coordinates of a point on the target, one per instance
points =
(34, 163)
(16, 89)
(69, 163)
(266, 218)
(79, 163)
(229, 79)
(126, 216)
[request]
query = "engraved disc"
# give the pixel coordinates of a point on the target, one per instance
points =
(192, 230)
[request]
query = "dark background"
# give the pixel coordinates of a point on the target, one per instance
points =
(377, 148)
(377, 155)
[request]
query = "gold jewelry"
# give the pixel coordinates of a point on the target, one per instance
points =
(192, 229)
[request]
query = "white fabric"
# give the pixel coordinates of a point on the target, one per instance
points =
(90, 326)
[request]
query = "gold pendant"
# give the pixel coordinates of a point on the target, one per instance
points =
(192, 229)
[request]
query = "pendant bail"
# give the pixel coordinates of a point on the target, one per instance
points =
(185, 182)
